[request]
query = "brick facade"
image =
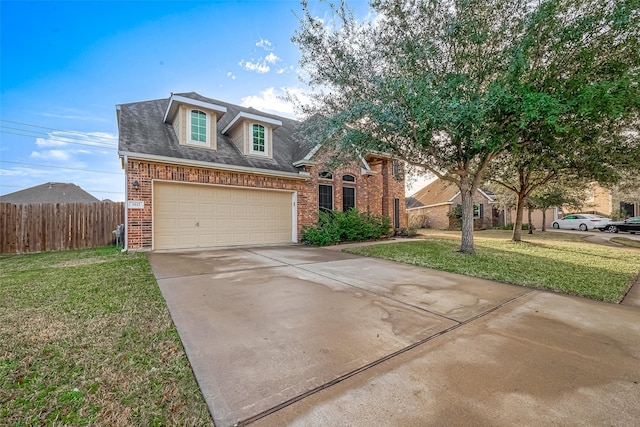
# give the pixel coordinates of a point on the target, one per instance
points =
(437, 217)
(374, 193)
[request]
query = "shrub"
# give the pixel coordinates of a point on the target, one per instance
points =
(407, 232)
(351, 226)
(455, 217)
(419, 221)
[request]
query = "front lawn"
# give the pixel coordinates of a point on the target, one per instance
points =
(87, 340)
(561, 262)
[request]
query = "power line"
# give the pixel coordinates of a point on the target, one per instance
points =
(48, 136)
(60, 167)
(42, 127)
(95, 145)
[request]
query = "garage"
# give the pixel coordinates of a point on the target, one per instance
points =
(200, 216)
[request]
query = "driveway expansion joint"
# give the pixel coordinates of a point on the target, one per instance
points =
(377, 362)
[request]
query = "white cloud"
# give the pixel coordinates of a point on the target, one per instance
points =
(56, 157)
(265, 44)
(285, 70)
(46, 142)
(22, 171)
(272, 100)
(259, 67)
(230, 74)
(271, 58)
(59, 155)
(63, 138)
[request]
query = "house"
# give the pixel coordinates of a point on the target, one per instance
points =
(50, 192)
(203, 173)
(618, 202)
(429, 207)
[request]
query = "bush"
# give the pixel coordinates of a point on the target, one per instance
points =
(407, 232)
(351, 226)
(419, 221)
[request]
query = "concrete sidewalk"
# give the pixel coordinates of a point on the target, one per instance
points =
(304, 336)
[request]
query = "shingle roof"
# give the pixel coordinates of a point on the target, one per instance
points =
(142, 130)
(439, 192)
(412, 202)
(51, 192)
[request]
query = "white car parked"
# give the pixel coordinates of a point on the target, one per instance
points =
(581, 222)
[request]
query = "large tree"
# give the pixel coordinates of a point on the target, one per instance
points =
(574, 82)
(445, 84)
(417, 81)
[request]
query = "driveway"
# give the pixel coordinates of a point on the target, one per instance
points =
(294, 335)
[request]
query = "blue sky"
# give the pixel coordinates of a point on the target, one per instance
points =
(66, 65)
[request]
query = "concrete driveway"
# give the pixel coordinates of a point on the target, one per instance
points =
(294, 335)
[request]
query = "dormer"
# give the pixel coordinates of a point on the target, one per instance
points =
(194, 121)
(252, 134)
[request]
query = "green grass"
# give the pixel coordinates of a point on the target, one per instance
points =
(559, 262)
(87, 340)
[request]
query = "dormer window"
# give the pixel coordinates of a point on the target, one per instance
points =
(259, 142)
(252, 133)
(199, 125)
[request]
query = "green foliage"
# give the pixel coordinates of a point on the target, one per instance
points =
(455, 217)
(455, 212)
(453, 86)
(619, 215)
(407, 232)
(574, 98)
(351, 226)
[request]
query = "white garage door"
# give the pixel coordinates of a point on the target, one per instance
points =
(200, 216)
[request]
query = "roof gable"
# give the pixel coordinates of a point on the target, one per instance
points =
(175, 100)
(143, 131)
(440, 192)
(436, 192)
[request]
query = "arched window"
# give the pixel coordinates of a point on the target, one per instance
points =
(325, 175)
(348, 178)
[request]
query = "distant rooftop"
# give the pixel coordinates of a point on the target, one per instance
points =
(50, 192)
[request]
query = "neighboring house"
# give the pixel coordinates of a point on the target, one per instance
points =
(204, 173)
(608, 202)
(429, 207)
(51, 192)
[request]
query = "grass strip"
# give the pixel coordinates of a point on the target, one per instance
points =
(87, 340)
(562, 265)
(626, 242)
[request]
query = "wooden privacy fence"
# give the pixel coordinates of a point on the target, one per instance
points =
(41, 227)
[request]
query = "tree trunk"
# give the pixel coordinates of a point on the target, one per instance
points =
(530, 220)
(544, 219)
(517, 227)
(466, 242)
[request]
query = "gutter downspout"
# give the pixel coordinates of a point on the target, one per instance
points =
(126, 204)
